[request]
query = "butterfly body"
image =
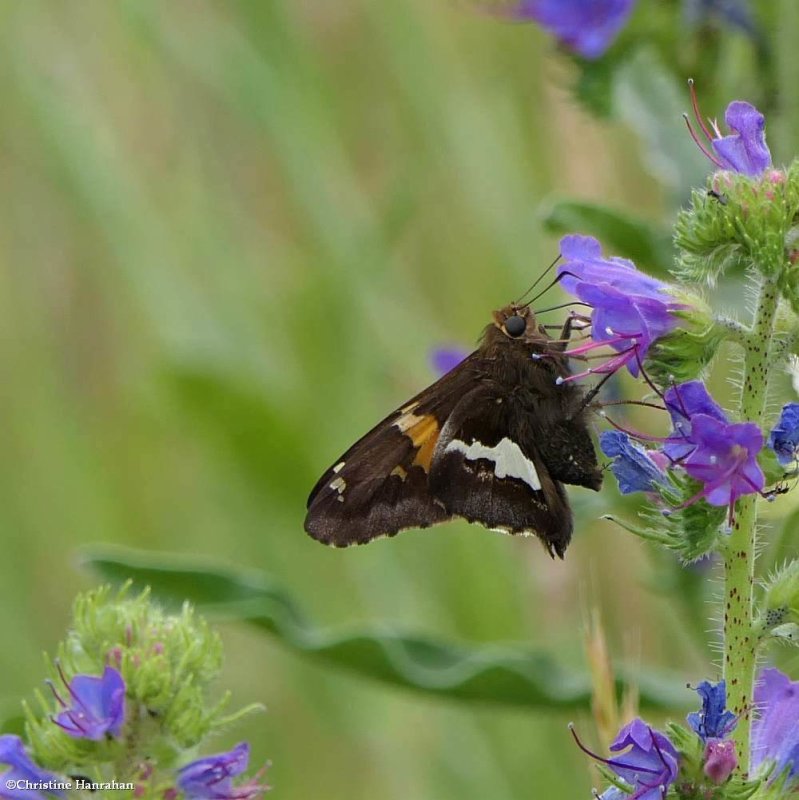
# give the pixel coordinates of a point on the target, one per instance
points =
(490, 442)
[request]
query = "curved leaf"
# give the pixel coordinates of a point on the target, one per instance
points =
(510, 674)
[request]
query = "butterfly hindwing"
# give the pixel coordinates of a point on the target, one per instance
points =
(487, 468)
(379, 486)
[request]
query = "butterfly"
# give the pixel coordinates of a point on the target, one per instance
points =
(492, 442)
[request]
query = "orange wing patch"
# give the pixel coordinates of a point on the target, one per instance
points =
(423, 431)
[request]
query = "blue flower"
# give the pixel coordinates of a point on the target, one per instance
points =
(211, 778)
(647, 761)
(784, 438)
(98, 706)
(12, 754)
(714, 721)
(634, 469)
(630, 310)
(775, 730)
(745, 149)
(587, 27)
(444, 359)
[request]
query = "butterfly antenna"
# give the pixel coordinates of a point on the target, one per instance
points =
(536, 282)
(562, 305)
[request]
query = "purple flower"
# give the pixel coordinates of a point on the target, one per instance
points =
(745, 149)
(630, 310)
(714, 721)
(775, 731)
(784, 438)
(587, 27)
(725, 459)
(211, 778)
(12, 754)
(683, 402)
(98, 706)
(646, 760)
(720, 760)
(720, 454)
(634, 469)
(444, 359)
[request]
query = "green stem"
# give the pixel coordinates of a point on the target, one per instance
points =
(740, 640)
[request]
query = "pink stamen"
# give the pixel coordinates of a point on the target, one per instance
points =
(698, 113)
(699, 144)
(691, 500)
(594, 344)
(612, 365)
(643, 437)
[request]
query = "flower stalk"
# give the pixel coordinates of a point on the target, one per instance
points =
(740, 640)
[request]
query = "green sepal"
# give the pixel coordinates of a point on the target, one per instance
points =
(685, 353)
(692, 532)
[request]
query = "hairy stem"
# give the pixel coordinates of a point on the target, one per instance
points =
(740, 640)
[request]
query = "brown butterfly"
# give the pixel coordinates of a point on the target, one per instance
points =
(492, 442)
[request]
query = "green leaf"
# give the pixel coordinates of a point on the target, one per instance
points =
(623, 234)
(512, 674)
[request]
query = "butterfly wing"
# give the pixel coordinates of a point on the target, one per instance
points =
(469, 446)
(379, 486)
(487, 467)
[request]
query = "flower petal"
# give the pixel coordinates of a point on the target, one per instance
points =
(634, 469)
(775, 731)
(784, 437)
(745, 150)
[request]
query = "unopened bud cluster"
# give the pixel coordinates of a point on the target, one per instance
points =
(127, 707)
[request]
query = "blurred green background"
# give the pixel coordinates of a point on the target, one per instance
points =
(231, 234)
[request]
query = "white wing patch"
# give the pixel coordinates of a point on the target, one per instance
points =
(509, 460)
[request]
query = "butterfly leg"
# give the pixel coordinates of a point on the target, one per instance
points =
(562, 342)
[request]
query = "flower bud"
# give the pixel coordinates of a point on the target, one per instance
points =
(720, 760)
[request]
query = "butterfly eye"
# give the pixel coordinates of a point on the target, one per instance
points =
(515, 326)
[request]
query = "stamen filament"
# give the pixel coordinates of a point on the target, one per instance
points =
(700, 144)
(697, 113)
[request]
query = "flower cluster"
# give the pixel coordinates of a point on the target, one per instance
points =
(711, 463)
(647, 762)
(722, 456)
(130, 688)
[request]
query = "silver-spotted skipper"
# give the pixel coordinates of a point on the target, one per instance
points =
(492, 441)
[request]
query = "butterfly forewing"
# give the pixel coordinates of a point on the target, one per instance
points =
(379, 486)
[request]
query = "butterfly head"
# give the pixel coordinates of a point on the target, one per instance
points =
(517, 322)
